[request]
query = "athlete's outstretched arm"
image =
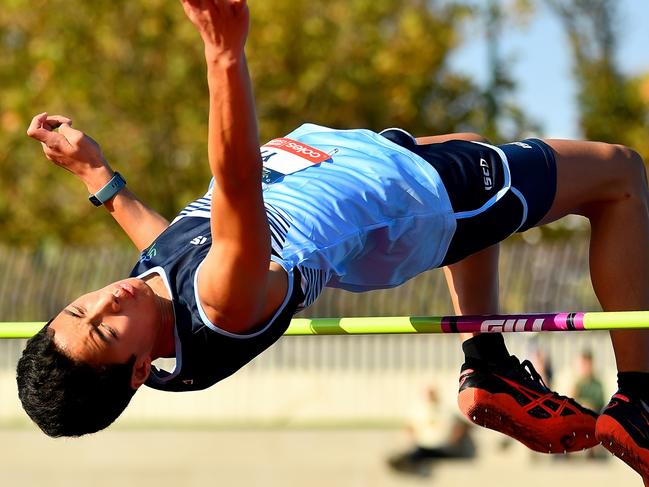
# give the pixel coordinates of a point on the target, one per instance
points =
(233, 282)
(76, 152)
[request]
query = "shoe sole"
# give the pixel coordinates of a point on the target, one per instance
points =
(493, 411)
(615, 439)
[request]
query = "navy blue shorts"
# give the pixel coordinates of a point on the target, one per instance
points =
(495, 191)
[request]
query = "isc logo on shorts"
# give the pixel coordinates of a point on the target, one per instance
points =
(486, 173)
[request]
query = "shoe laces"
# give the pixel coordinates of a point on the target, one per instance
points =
(526, 364)
(528, 372)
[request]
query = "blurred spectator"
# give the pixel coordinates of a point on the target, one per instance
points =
(588, 389)
(437, 433)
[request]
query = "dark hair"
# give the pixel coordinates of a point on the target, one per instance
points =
(65, 397)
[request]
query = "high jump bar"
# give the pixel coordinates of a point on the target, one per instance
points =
(381, 325)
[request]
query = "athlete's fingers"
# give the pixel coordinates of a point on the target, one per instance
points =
(194, 9)
(55, 121)
(39, 130)
(49, 153)
(196, 4)
(73, 136)
(35, 126)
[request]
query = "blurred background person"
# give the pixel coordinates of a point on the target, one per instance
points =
(436, 433)
(588, 388)
(589, 391)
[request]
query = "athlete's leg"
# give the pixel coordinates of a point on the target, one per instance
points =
(496, 390)
(607, 184)
(472, 282)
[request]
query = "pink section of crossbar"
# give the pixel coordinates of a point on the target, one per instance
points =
(513, 323)
(567, 322)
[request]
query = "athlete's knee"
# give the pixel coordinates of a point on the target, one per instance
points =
(630, 168)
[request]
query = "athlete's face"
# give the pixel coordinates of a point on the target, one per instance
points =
(109, 325)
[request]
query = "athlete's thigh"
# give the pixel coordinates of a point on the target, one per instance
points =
(587, 173)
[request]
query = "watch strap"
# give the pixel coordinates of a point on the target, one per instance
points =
(109, 190)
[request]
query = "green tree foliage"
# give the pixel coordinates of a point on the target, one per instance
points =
(359, 63)
(127, 73)
(131, 74)
(503, 117)
(611, 105)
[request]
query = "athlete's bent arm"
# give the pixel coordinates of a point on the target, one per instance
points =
(236, 288)
(76, 152)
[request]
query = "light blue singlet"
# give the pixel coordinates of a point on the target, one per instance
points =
(372, 217)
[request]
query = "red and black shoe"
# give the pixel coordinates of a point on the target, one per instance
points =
(623, 429)
(513, 399)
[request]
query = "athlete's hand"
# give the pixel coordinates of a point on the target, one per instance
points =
(70, 149)
(222, 24)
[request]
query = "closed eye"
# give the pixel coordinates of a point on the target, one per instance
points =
(79, 313)
(111, 331)
(102, 337)
(73, 312)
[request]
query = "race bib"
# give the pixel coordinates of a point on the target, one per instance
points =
(286, 156)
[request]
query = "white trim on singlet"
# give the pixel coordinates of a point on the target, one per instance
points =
(179, 356)
(507, 184)
(398, 129)
(215, 328)
(197, 213)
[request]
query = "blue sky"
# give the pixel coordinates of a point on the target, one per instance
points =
(542, 64)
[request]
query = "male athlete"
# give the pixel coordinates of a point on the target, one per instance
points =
(351, 209)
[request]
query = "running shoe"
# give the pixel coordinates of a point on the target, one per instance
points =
(623, 429)
(513, 399)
